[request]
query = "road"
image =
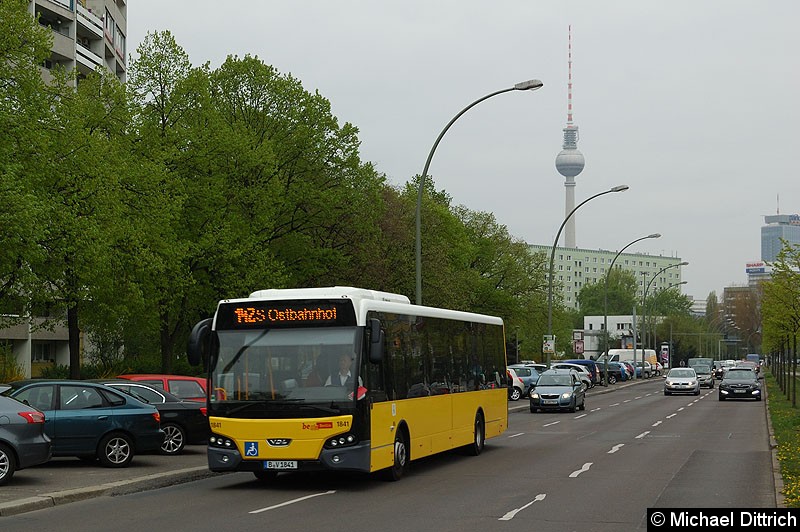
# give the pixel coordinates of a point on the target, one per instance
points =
(597, 470)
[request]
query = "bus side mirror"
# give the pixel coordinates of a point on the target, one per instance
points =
(198, 348)
(376, 337)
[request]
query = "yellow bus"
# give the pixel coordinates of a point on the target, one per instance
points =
(347, 379)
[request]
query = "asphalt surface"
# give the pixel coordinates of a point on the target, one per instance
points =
(65, 480)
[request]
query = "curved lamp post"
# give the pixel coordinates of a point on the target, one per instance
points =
(605, 304)
(647, 288)
(618, 188)
(529, 85)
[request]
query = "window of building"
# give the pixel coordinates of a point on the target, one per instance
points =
(42, 352)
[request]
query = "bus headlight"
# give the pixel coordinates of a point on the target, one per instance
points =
(220, 441)
(342, 440)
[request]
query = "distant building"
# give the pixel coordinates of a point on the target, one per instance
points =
(779, 228)
(574, 268)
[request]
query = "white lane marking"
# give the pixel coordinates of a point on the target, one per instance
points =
(657, 423)
(594, 409)
(510, 515)
(580, 416)
(515, 435)
(583, 469)
(642, 435)
(639, 397)
(681, 408)
(553, 423)
(616, 448)
(690, 404)
(626, 401)
(615, 404)
(671, 415)
(292, 502)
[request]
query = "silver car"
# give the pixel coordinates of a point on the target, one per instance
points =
(681, 380)
(705, 375)
(23, 442)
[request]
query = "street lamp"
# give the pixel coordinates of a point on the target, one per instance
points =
(647, 288)
(605, 305)
(529, 85)
(618, 188)
(644, 306)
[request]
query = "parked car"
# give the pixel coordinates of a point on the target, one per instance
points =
(558, 389)
(590, 365)
(705, 376)
(184, 386)
(681, 380)
(89, 420)
(515, 385)
(183, 422)
(643, 369)
(582, 371)
(528, 374)
(616, 372)
(23, 442)
(740, 383)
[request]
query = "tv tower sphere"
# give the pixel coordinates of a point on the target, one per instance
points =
(570, 162)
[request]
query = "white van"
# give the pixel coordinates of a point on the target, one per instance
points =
(618, 355)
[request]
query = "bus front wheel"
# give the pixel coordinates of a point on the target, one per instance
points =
(478, 436)
(400, 465)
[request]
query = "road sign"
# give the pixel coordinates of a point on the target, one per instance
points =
(549, 345)
(577, 347)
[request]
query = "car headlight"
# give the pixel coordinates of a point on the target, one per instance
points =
(534, 395)
(566, 395)
(668, 382)
(692, 383)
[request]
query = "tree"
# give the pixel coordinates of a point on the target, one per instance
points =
(780, 306)
(621, 295)
(79, 193)
(24, 117)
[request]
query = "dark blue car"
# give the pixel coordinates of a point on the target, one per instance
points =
(89, 420)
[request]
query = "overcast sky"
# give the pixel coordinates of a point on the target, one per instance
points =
(691, 103)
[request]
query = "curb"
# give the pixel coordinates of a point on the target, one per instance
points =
(121, 487)
(777, 478)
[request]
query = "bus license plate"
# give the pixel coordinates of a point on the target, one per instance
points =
(280, 464)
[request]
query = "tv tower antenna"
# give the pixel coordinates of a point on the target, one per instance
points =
(570, 161)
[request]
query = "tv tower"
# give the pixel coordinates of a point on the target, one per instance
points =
(569, 161)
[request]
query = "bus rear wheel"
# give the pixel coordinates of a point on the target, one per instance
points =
(400, 465)
(478, 436)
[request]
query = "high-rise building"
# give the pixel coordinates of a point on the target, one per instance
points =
(87, 34)
(574, 268)
(779, 228)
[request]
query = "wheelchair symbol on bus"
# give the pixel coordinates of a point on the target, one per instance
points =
(251, 448)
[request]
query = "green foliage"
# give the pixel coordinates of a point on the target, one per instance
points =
(620, 294)
(780, 306)
(10, 370)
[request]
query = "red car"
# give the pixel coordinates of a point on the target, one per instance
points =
(186, 387)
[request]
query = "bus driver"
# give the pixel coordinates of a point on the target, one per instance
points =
(343, 377)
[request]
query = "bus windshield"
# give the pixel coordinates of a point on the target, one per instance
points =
(277, 370)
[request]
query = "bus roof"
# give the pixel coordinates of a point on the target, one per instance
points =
(365, 300)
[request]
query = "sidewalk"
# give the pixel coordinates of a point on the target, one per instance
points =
(65, 480)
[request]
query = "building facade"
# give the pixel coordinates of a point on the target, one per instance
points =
(779, 228)
(87, 35)
(574, 268)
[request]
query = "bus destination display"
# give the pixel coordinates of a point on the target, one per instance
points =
(285, 314)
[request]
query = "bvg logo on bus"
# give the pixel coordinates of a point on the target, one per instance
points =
(318, 425)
